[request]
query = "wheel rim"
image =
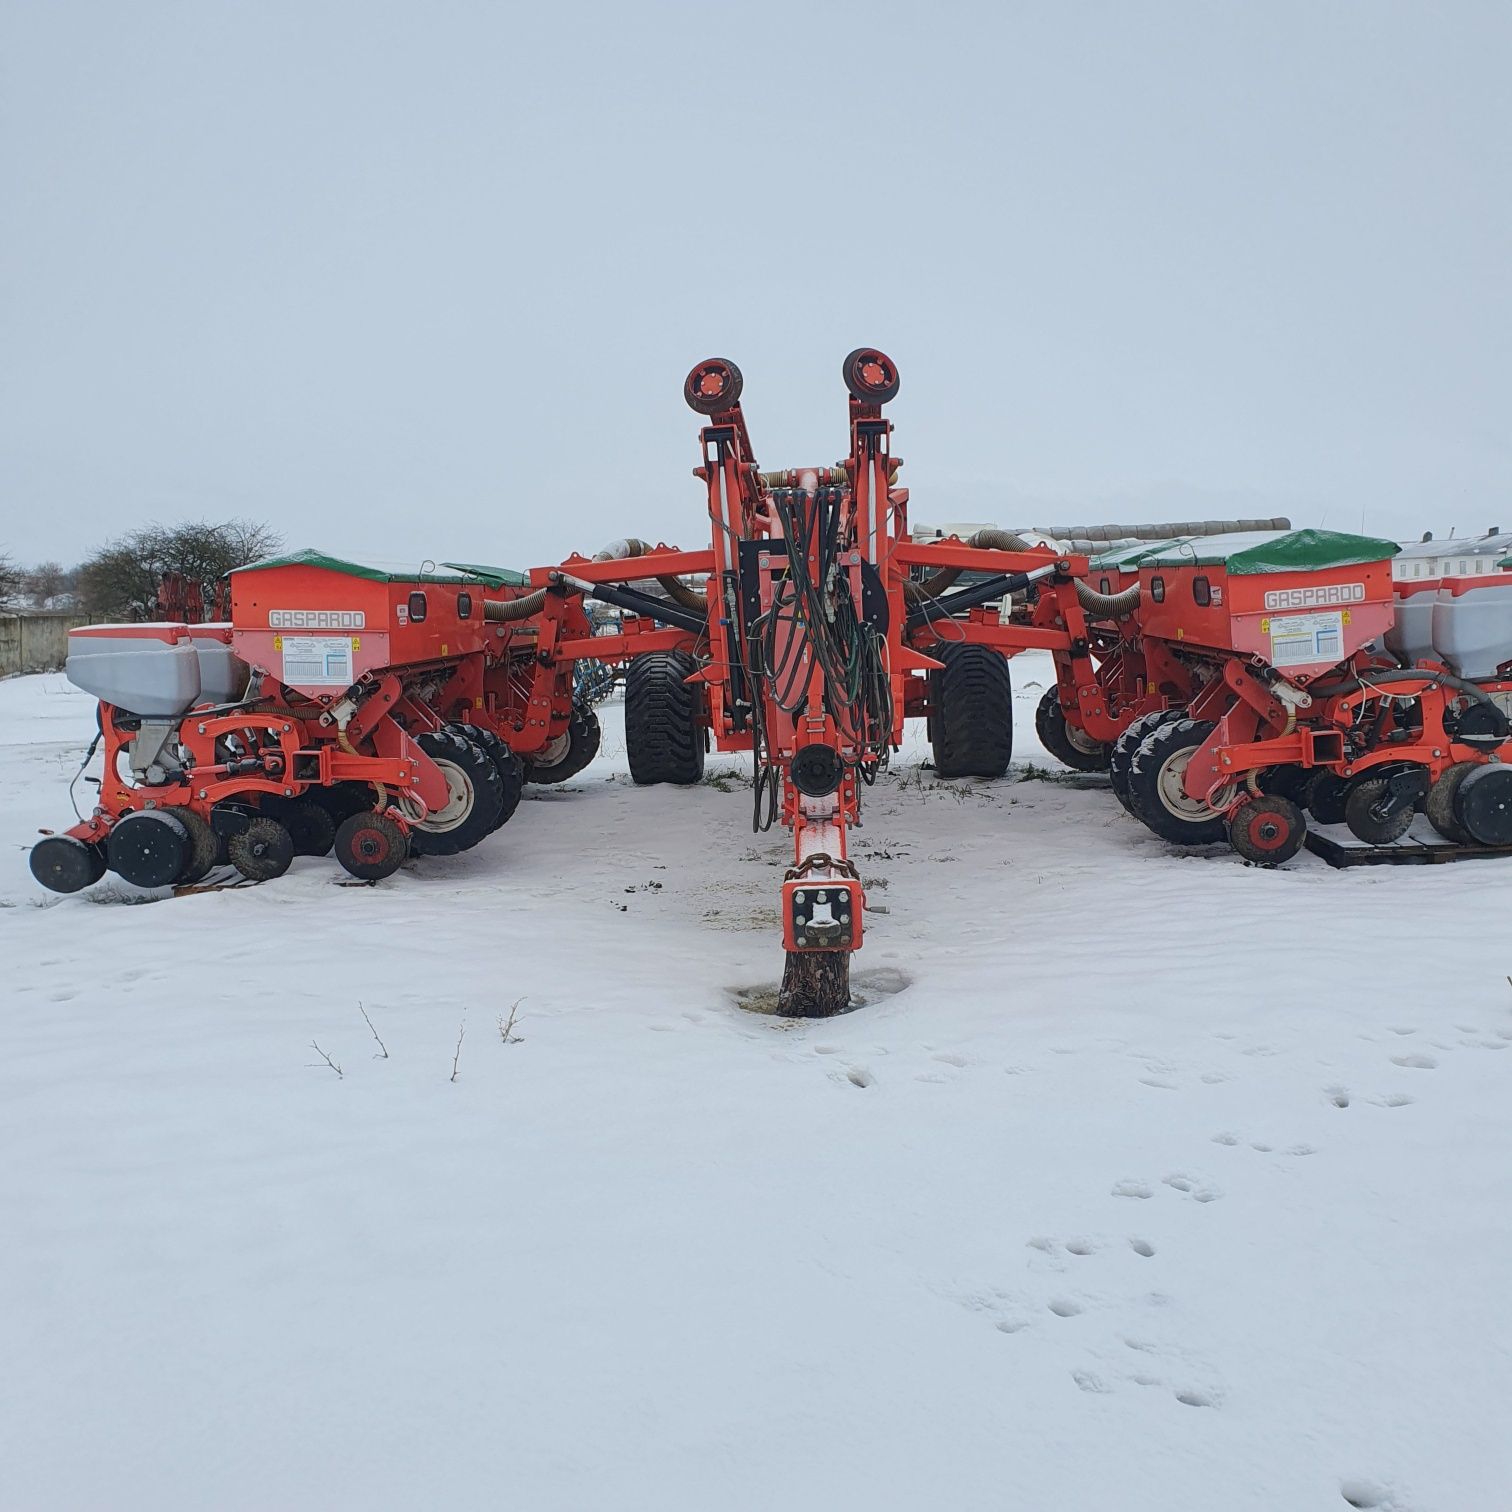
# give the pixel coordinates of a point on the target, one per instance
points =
(1267, 832)
(459, 800)
(555, 750)
(1169, 783)
(370, 845)
(1079, 740)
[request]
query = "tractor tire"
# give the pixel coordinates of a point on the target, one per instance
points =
(1267, 830)
(578, 746)
(1327, 794)
(1440, 804)
(64, 864)
(971, 728)
(204, 846)
(663, 738)
(475, 797)
(262, 851)
(511, 769)
(311, 825)
(370, 846)
(1364, 823)
(1122, 755)
(1068, 743)
(148, 848)
(1155, 794)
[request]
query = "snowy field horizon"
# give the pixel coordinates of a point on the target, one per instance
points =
(1142, 1180)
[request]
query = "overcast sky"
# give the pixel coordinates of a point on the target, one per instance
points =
(424, 280)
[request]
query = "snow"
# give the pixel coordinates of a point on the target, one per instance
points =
(1163, 1183)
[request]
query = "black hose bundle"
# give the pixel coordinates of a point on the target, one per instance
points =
(814, 619)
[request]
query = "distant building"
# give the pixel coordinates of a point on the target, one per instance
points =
(1456, 556)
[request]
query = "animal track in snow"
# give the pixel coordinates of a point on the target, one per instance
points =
(1370, 1494)
(859, 1076)
(1417, 1061)
(1065, 1307)
(1194, 1398)
(1226, 1139)
(1132, 1189)
(1198, 1191)
(1396, 1099)
(1142, 1247)
(1338, 1096)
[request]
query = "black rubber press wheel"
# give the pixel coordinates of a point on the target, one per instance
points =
(65, 864)
(149, 848)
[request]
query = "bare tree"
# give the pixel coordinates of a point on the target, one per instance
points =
(10, 580)
(45, 583)
(124, 579)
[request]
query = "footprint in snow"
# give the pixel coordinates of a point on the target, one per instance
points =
(1416, 1061)
(1198, 1191)
(1133, 1189)
(1377, 1496)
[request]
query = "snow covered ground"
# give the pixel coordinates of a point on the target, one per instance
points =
(1163, 1183)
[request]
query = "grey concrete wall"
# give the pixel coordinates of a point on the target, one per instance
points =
(35, 642)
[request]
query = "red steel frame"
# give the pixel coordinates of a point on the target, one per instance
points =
(874, 545)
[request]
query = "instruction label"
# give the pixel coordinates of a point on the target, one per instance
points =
(317, 659)
(1298, 639)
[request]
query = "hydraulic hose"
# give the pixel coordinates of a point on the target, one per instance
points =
(982, 540)
(1445, 679)
(506, 611)
(674, 587)
(1107, 606)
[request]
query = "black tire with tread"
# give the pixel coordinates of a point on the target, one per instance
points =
(480, 817)
(511, 768)
(971, 727)
(1122, 756)
(663, 738)
(1055, 734)
(1158, 751)
(584, 734)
